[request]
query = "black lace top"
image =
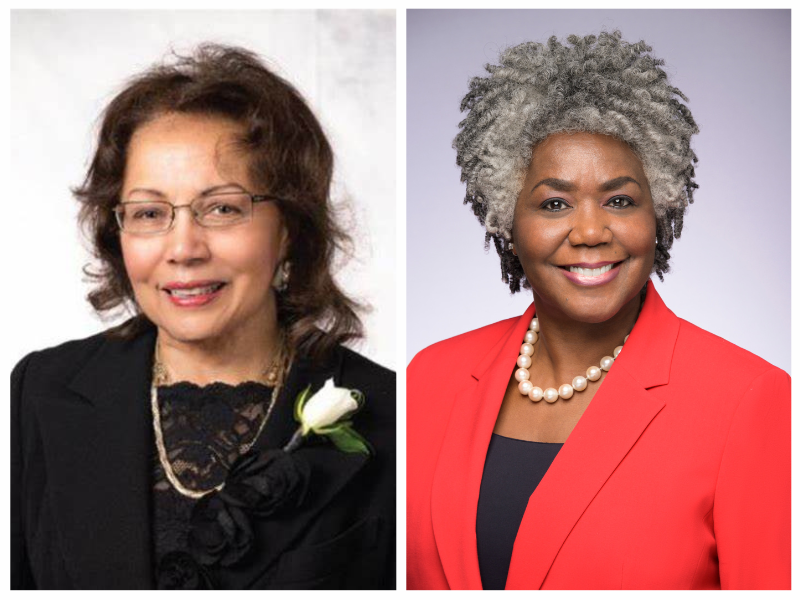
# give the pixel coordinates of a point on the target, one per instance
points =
(205, 429)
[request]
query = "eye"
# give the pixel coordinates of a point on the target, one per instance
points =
(225, 210)
(554, 205)
(620, 202)
(148, 214)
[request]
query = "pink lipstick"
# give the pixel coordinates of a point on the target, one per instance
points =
(591, 274)
(188, 294)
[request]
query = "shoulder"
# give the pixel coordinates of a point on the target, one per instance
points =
(376, 382)
(437, 374)
(53, 368)
(716, 353)
(357, 368)
(450, 353)
(730, 377)
(58, 362)
(47, 378)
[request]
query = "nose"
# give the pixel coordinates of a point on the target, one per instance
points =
(186, 241)
(590, 226)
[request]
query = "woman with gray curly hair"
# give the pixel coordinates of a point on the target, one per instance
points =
(669, 471)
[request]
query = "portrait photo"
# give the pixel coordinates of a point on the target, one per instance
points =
(739, 96)
(598, 283)
(203, 398)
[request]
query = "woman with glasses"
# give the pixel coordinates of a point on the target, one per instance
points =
(222, 437)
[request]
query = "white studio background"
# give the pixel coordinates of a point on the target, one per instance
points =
(730, 268)
(67, 65)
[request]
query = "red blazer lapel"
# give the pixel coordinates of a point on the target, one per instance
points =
(612, 423)
(618, 414)
(457, 481)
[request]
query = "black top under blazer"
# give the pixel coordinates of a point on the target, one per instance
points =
(81, 477)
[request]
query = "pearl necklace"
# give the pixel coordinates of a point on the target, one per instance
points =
(526, 388)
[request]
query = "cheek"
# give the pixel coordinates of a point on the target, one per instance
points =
(252, 256)
(639, 236)
(141, 260)
(537, 238)
(546, 238)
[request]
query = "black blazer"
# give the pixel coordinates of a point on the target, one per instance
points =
(81, 475)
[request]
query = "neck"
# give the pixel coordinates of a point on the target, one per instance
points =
(567, 347)
(233, 357)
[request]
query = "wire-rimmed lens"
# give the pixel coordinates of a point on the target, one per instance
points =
(221, 210)
(147, 217)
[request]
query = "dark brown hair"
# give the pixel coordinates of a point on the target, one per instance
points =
(290, 158)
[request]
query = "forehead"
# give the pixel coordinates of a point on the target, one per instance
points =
(178, 149)
(583, 153)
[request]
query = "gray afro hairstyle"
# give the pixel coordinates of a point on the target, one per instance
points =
(597, 84)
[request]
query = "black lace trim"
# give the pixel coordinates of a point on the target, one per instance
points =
(205, 428)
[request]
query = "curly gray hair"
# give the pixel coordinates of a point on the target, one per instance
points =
(597, 84)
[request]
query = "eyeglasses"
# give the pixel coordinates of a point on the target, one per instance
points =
(152, 217)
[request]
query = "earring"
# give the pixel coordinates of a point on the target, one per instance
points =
(280, 281)
(511, 247)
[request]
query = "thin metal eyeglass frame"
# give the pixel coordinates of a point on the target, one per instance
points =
(254, 198)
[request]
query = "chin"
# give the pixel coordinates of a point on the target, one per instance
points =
(599, 310)
(190, 329)
(587, 310)
(593, 315)
(590, 305)
(188, 335)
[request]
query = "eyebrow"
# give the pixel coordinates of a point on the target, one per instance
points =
(562, 185)
(205, 192)
(618, 182)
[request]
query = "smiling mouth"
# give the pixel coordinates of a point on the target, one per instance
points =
(591, 272)
(195, 291)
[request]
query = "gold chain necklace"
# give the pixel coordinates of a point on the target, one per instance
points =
(274, 376)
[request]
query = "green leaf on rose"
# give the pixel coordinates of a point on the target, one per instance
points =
(346, 439)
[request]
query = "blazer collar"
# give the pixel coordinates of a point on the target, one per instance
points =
(648, 351)
(616, 417)
(102, 450)
(648, 354)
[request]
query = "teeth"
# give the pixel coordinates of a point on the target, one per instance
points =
(591, 272)
(199, 291)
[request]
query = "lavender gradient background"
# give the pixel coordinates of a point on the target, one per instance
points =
(731, 266)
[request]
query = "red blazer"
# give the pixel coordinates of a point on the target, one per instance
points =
(677, 476)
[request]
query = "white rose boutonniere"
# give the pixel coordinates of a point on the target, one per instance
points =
(326, 414)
